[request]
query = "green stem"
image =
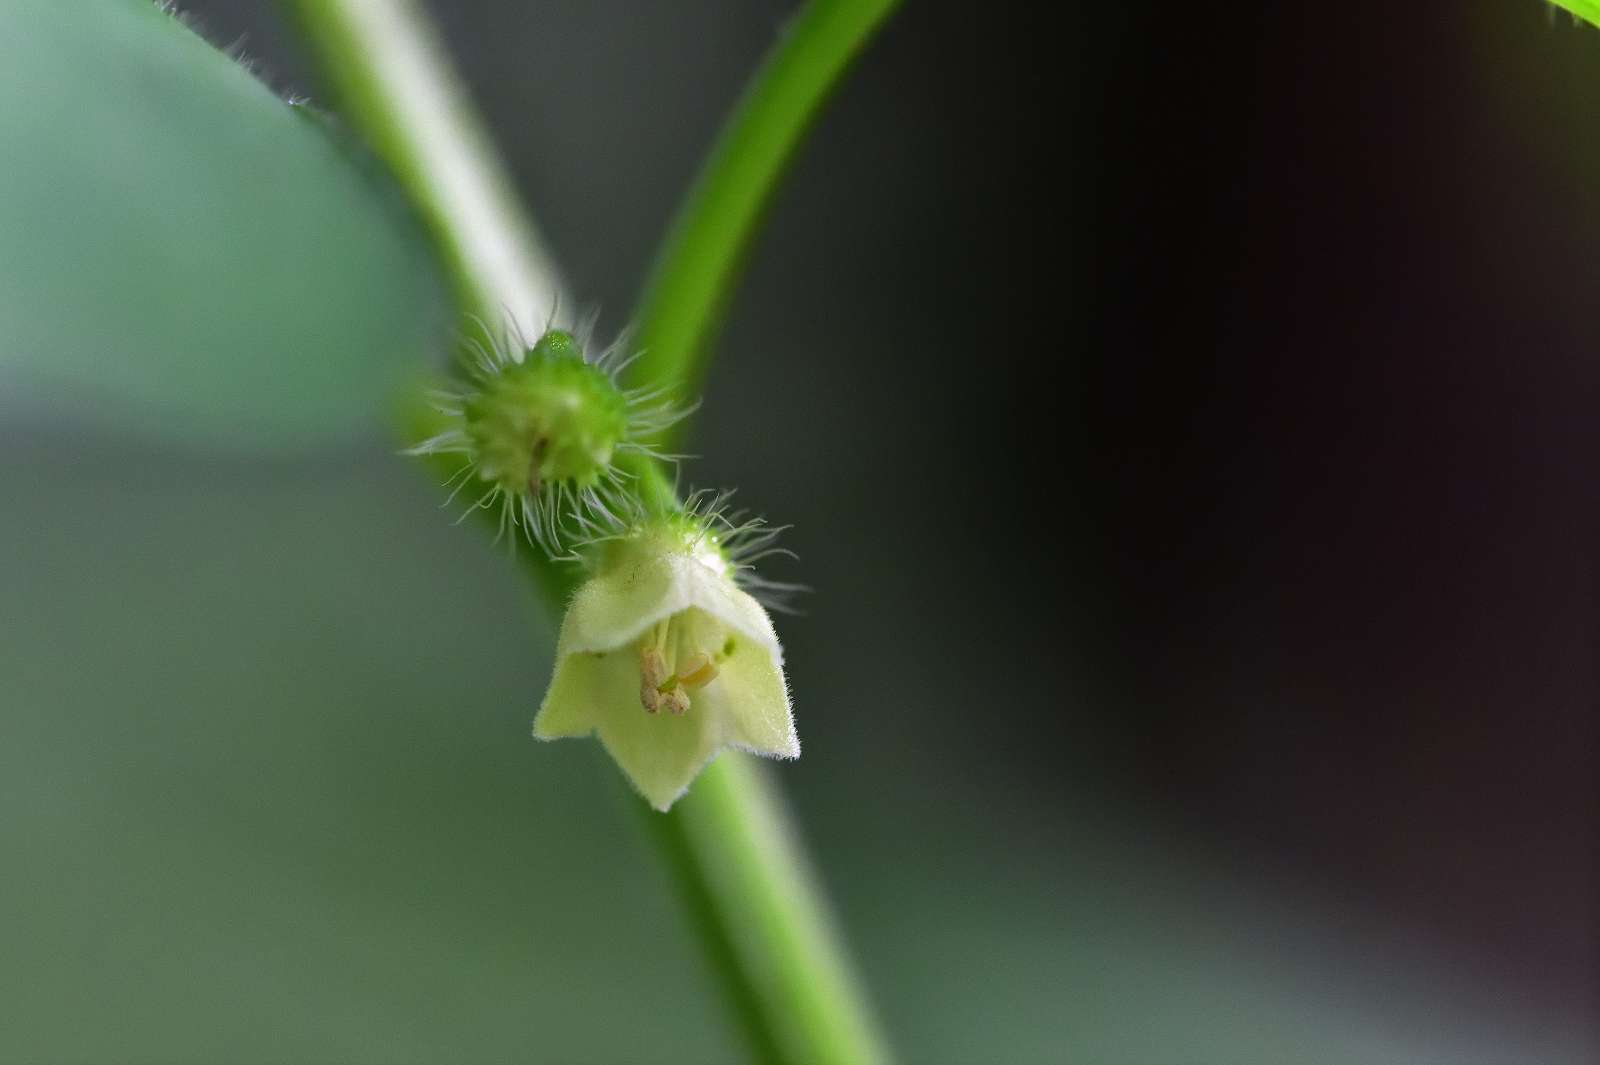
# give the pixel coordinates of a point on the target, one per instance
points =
(698, 263)
(397, 87)
(739, 867)
(745, 881)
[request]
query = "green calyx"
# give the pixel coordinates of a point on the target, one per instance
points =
(677, 533)
(551, 418)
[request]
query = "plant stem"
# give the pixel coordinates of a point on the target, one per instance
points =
(739, 868)
(748, 888)
(698, 263)
(398, 88)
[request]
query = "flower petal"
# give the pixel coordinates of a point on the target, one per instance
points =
(582, 683)
(661, 753)
(751, 700)
(647, 583)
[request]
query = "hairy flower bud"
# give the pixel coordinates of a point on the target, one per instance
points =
(541, 427)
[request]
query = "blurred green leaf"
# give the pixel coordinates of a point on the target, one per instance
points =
(182, 253)
(1584, 9)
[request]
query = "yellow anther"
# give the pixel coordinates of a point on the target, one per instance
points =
(652, 673)
(652, 666)
(676, 701)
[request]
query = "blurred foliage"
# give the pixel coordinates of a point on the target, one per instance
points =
(185, 254)
(1586, 9)
(274, 799)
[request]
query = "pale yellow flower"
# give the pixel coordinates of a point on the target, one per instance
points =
(668, 661)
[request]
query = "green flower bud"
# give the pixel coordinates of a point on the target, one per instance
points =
(545, 420)
(541, 427)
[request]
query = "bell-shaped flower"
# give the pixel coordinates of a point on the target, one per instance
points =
(668, 661)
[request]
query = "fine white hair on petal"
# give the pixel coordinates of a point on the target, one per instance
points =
(614, 609)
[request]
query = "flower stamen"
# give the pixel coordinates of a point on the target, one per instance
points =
(652, 675)
(663, 682)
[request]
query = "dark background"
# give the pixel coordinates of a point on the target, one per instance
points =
(1187, 421)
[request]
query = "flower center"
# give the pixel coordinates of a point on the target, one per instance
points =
(677, 656)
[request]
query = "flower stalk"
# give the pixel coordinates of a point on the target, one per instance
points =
(694, 273)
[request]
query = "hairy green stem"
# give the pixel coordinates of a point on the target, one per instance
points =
(738, 866)
(699, 261)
